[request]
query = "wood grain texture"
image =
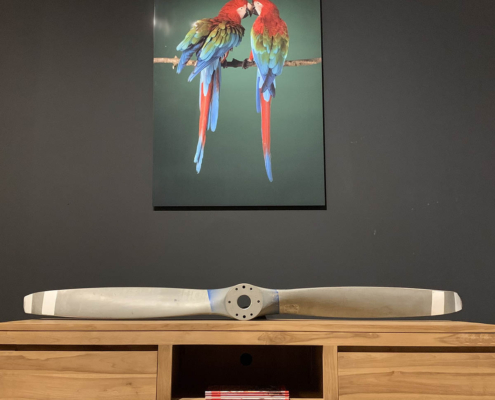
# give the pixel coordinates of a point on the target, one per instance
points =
(330, 373)
(426, 376)
(164, 376)
(78, 375)
(310, 325)
(42, 362)
(255, 338)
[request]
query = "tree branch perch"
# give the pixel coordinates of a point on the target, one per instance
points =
(238, 64)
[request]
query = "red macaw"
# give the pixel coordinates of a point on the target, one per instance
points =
(270, 46)
(211, 39)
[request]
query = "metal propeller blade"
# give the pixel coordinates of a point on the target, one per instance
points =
(337, 302)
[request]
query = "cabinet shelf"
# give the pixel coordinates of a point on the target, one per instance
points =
(197, 368)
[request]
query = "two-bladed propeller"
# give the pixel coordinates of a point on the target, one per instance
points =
(243, 302)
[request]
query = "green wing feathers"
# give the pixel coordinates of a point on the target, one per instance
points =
(270, 51)
(214, 34)
(198, 32)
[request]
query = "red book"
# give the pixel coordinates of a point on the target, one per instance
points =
(247, 393)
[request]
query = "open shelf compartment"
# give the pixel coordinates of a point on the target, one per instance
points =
(298, 368)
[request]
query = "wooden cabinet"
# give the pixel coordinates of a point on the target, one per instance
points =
(317, 360)
(413, 376)
(78, 375)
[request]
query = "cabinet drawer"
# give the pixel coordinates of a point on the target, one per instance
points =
(54, 375)
(415, 376)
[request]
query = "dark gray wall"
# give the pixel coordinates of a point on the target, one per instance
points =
(410, 135)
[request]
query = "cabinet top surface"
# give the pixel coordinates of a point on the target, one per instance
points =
(260, 326)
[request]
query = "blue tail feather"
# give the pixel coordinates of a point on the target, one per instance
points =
(268, 167)
(215, 99)
(198, 158)
(258, 96)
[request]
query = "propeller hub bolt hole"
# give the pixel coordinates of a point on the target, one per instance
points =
(244, 302)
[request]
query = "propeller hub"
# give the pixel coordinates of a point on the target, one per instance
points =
(244, 302)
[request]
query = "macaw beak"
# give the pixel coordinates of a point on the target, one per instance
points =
(249, 10)
(248, 14)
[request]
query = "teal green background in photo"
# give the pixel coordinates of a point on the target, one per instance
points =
(233, 172)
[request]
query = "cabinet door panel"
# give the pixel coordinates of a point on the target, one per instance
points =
(415, 376)
(70, 375)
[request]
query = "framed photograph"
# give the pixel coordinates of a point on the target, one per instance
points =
(255, 138)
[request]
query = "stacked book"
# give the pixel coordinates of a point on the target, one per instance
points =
(247, 393)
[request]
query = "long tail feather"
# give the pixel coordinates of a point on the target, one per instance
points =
(265, 132)
(258, 92)
(209, 97)
(203, 124)
(215, 99)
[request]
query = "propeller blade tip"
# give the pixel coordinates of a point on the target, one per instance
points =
(458, 302)
(28, 304)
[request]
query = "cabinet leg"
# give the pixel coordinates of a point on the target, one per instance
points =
(164, 374)
(330, 373)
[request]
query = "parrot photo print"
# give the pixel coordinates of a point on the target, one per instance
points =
(238, 105)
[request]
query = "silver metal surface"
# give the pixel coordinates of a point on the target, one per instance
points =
(119, 303)
(255, 306)
(368, 302)
(336, 302)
